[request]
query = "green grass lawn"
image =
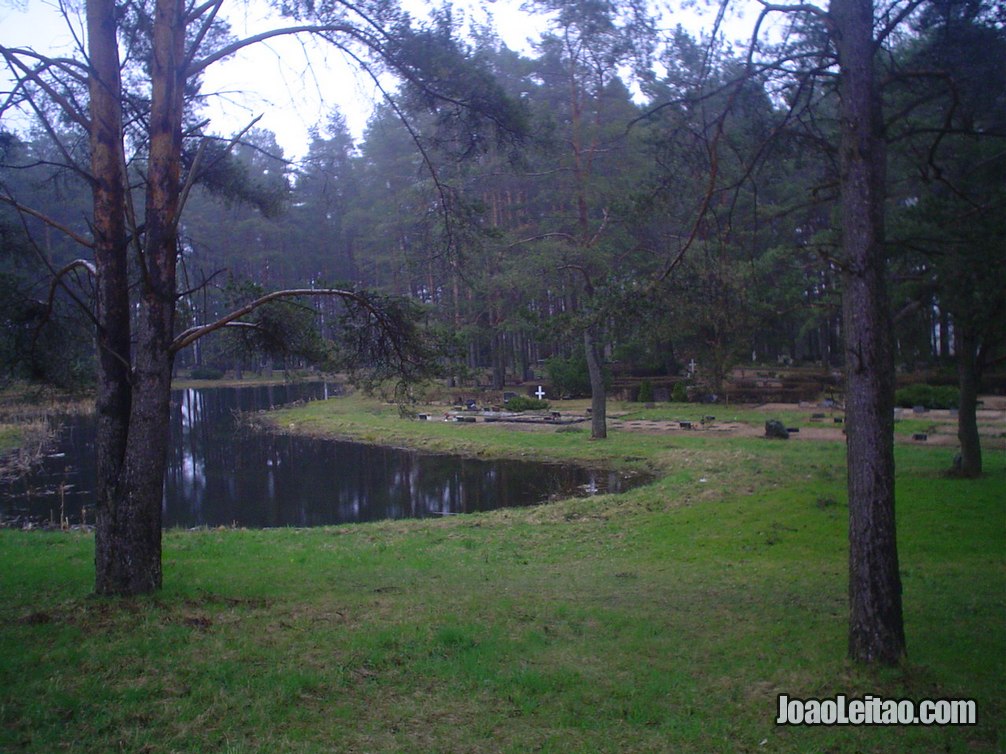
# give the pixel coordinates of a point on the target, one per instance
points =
(667, 619)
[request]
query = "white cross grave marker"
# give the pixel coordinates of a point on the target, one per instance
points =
(691, 367)
(539, 392)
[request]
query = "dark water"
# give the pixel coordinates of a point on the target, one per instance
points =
(221, 474)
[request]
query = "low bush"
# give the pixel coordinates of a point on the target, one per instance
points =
(930, 396)
(569, 377)
(679, 394)
(645, 392)
(206, 373)
(525, 403)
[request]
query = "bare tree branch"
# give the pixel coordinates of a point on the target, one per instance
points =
(806, 8)
(197, 66)
(214, 7)
(57, 281)
(7, 199)
(195, 333)
(587, 281)
(908, 9)
(23, 73)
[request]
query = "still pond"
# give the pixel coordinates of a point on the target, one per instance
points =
(220, 474)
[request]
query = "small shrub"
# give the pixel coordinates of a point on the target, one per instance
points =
(776, 430)
(930, 396)
(570, 376)
(645, 392)
(525, 403)
(679, 394)
(206, 373)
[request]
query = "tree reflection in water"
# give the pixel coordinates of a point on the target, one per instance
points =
(222, 475)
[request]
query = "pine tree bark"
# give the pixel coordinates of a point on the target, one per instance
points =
(132, 448)
(969, 378)
(876, 629)
(598, 398)
(114, 392)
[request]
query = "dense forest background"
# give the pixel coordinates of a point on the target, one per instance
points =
(670, 199)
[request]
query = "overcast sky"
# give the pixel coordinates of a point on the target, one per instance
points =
(274, 79)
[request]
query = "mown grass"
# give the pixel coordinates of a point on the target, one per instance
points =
(665, 619)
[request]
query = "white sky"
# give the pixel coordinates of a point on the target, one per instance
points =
(274, 79)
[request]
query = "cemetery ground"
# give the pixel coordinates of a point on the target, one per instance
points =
(665, 619)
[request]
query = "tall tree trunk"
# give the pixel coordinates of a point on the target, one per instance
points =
(114, 393)
(523, 357)
(944, 353)
(498, 366)
(128, 540)
(598, 399)
(876, 629)
(497, 351)
(969, 378)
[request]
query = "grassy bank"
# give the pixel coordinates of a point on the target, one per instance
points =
(665, 619)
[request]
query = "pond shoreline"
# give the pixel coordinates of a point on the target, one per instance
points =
(404, 433)
(229, 466)
(270, 422)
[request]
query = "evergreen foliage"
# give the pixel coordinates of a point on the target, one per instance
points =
(679, 394)
(526, 403)
(928, 396)
(490, 243)
(645, 392)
